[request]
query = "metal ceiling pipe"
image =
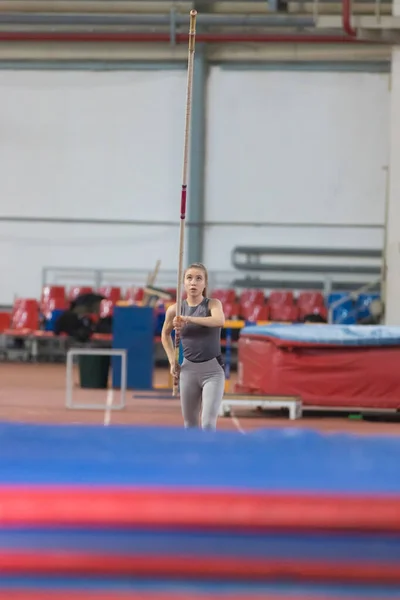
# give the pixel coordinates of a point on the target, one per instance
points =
(279, 20)
(346, 19)
(47, 5)
(180, 38)
(82, 6)
(127, 6)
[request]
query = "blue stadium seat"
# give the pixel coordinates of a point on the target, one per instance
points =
(344, 316)
(336, 296)
(344, 313)
(363, 304)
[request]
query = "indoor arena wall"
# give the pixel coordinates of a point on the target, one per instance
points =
(284, 147)
(292, 148)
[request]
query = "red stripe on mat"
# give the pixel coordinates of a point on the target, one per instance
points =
(192, 567)
(182, 508)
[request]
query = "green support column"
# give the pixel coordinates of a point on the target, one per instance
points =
(195, 213)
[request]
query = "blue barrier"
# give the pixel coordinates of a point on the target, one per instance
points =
(133, 331)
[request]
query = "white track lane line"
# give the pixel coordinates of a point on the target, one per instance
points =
(237, 424)
(110, 399)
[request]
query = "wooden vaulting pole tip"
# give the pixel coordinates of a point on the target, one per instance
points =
(192, 29)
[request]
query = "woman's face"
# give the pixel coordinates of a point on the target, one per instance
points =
(195, 282)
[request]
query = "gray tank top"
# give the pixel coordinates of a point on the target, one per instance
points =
(199, 343)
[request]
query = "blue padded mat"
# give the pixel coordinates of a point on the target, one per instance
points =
(196, 543)
(283, 460)
(351, 335)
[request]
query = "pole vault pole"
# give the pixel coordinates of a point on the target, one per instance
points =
(192, 40)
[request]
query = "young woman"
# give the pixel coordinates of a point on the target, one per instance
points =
(202, 375)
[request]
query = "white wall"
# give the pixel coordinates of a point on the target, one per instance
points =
(88, 145)
(295, 147)
(284, 147)
(392, 283)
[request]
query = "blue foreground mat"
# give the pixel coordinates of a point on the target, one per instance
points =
(264, 460)
(139, 506)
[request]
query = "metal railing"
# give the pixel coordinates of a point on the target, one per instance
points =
(100, 277)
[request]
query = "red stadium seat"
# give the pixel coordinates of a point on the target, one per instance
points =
(284, 313)
(312, 298)
(5, 321)
(312, 310)
(27, 321)
(51, 304)
(254, 312)
(231, 310)
(225, 295)
(24, 317)
(111, 293)
(28, 304)
(253, 296)
(281, 297)
(53, 291)
(311, 303)
(106, 309)
(15, 308)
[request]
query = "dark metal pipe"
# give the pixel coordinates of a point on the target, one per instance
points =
(346, 19)
(32, 5)
(154, 20)
(154, 38)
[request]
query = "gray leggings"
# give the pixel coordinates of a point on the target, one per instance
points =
(201, 386)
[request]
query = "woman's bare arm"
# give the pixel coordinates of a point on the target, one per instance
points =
(166, 331)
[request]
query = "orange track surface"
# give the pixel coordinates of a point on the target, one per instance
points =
(36, 393)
